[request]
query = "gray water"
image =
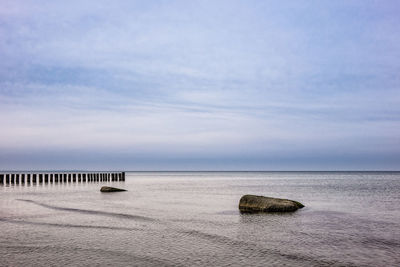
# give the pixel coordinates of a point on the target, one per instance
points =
(192, 219)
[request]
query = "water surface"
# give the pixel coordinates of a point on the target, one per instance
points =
(192, 219)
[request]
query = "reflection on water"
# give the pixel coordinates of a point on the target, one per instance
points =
(189, 219)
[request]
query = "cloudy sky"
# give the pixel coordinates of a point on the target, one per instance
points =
(200, 85)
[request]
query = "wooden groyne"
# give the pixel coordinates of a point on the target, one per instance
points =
(59, 177)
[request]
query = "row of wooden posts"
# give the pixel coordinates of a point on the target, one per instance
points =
(28, 178)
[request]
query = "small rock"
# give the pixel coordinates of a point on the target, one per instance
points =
(111, 189)
(252, 204)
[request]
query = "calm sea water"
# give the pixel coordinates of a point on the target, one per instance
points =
(192, 219)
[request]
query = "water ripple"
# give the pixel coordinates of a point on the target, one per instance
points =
(93, 212)
(66, 225)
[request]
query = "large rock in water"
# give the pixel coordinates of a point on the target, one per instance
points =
(252, 204)
(111, 189)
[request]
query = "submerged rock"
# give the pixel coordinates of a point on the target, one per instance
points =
(252, 204)
(111, 189)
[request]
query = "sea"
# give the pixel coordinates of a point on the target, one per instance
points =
(192, 219)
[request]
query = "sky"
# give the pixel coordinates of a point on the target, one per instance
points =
(200, 85)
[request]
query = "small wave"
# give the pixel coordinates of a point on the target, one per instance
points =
(256, 250)
(93, 212)
(64, 225)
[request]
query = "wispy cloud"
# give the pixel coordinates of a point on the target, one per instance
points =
(178, 85)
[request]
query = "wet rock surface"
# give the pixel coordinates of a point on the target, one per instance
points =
(111, 189)
(254, 204)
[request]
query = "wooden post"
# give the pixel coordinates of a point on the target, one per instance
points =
(28, 178)
(74, 177)
(7, 178)
(22, 179)
(34, 178)
(40, 178)
(123, 176)
(12, 178)
(56, 178)
(16, 178)
(79, 177)
(84, 178)
(1, 178)
(46, 178)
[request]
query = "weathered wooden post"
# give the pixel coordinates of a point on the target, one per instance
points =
(16, 178)
(79, 177)
(123, 176)
(34, 180)
(22, 179)
(84, 178)
(56, 178)
(74, 177)
(1, 178)
(28, 178)
(46, 178)
(40, 178)
(7, 178)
